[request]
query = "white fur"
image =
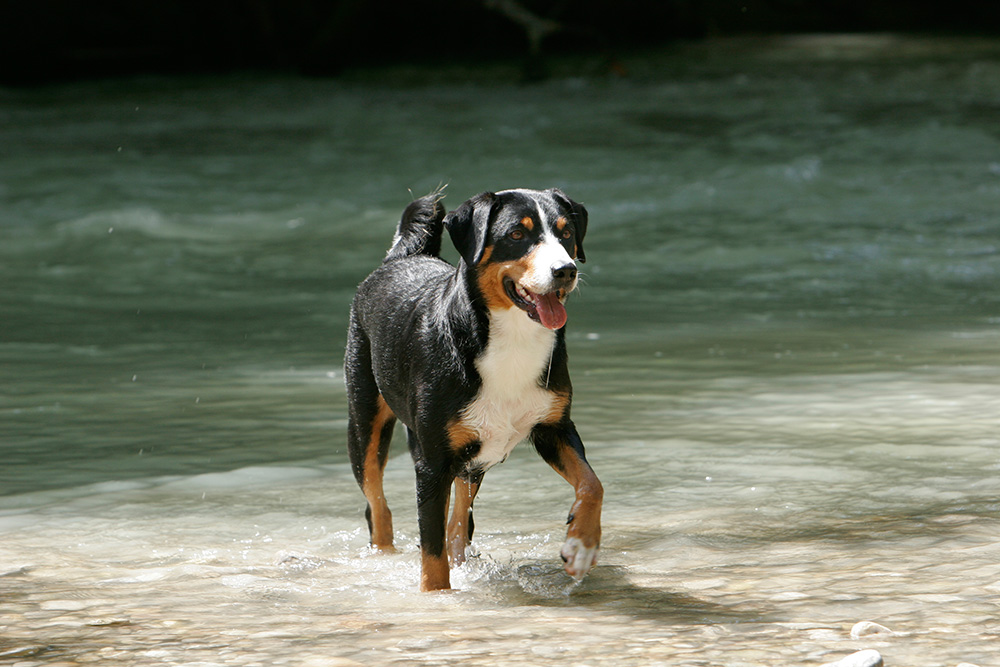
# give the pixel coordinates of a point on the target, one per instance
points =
(579, 558)
(510, 401)
(547, 256)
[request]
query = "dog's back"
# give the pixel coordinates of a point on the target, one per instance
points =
(387, 345)
(410, 268)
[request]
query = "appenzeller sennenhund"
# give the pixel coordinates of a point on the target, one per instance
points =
(472, 359)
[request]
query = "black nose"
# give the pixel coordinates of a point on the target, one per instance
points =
(565, 273)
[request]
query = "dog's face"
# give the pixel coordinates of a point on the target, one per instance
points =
(524, 245)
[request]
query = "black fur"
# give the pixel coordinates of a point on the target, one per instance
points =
(418, 325)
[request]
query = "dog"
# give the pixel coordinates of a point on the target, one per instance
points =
(472, 360)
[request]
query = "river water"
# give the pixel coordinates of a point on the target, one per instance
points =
(784, 354)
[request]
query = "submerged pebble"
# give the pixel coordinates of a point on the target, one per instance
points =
(868, 628)
(866, 658)
(22, 652)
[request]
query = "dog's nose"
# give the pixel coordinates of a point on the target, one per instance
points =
(564, 273)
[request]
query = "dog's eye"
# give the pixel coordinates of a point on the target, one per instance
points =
(516, 235)
(566, 233)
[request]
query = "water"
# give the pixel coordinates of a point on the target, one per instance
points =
(785, 359)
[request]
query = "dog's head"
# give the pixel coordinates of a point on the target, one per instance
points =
(523, 245)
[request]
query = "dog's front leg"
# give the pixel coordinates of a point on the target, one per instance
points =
(561, 447)
(433, 491)
(461, 524)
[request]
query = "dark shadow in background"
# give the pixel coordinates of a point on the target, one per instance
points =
(60, 40)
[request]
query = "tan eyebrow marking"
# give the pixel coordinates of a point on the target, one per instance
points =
(528, 223)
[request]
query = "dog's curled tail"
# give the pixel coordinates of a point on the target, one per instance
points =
(419, 231)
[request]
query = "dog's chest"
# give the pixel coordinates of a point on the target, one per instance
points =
(510, 401)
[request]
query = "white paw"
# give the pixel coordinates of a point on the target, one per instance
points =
(578, 558)
(460, 553)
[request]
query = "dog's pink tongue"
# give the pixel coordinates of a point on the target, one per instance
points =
(551, 313)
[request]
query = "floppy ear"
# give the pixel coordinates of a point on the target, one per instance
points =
(579, 215)
(468, 226)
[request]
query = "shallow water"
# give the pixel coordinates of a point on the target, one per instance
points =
(784, 355)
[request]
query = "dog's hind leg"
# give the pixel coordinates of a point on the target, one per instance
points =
(369, 432)
(461, 525)
(376, 450)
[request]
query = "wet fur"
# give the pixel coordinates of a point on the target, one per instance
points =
(446, 351)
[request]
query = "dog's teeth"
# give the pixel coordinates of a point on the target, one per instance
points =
(526, 295)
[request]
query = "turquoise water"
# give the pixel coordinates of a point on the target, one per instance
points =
(784, 355)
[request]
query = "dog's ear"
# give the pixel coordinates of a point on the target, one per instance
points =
(468, 226)
(579, 215)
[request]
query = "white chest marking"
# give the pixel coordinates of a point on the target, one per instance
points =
(510, 401)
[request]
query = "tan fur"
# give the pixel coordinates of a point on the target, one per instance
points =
(458, 527)
(585, 515)
(434, 574)
(372, 485)
(558, 409)
(490, 277)
(460, 434)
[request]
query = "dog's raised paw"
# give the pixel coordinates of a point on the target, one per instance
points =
(578, 557)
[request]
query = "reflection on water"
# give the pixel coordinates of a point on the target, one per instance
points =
(784, 356)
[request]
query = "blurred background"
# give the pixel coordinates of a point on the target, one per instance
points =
(60, 39)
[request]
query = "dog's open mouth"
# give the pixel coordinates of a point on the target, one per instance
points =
(546, 309)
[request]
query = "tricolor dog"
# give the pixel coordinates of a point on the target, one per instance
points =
(472, 360)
